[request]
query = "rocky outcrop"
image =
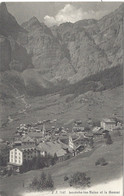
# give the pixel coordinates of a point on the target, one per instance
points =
(8, 24)
(69, 52)
(48, 55)
(21, 60)
(9, 28)
(93, 45)
(5, 53)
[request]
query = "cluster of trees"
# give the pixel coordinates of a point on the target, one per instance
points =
(107, 79)
(108, 138)
(101, 161)
(6, 172)
(78, 179)
(38, 162)
(4, 154)
(45, 182)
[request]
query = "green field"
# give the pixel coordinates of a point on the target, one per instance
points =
(83, 163)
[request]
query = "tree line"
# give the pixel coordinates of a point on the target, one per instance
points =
(38, 162)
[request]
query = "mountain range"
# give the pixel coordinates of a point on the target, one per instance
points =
(69, 58)
(45, 57)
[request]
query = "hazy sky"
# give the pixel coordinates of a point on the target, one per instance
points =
(58, 12)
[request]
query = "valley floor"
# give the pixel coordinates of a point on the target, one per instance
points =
(94, 105)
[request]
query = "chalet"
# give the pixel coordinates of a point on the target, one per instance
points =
(77, 122)
(17, 143)
(26, 140)
(108, 124)
(38, 130)
(52, 148)
(78, 129)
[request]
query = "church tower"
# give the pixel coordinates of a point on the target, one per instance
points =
(44, 129)
(71, 144)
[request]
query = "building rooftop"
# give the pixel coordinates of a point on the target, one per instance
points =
(108, 120)
(27, 139)
(96, 129)
(52, 148)
(26, 147)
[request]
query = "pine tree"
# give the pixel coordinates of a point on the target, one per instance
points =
(49, 182)
(109, 140)
(42, 183)
(35, 184)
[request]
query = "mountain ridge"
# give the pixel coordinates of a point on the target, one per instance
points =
(71, 59)
(68, 52)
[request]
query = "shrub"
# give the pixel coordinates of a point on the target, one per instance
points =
(34, 184)
(101, 161)
(43, 183)
(109, 140)
(79, 179)
(66, 178)
(4, 156)
(10, 172)
(49, 182)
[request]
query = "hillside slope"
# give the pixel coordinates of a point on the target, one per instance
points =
(69, 59)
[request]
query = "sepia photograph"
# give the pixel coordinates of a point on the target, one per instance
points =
(61, 98)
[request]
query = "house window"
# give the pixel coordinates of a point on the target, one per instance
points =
(11, 160)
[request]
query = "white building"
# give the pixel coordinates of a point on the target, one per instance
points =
(16, 157)
(108, 124)
(19, 154)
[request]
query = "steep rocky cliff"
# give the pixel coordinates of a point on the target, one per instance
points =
(5, 53)
(93, 45)
(69, 52)
(14, 51)
(48, 55)
(8, 24)
(72, 58)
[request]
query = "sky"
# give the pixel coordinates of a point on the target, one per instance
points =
(55, 13)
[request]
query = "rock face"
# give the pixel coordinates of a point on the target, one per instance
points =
(47, 53)
(5, 53)
(14, 54)
(8, 24)
(21, 60)
(69, 52)
(93, 45)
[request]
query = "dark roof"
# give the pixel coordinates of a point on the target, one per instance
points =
(26, 147)
(52, 148)
(109, 120)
